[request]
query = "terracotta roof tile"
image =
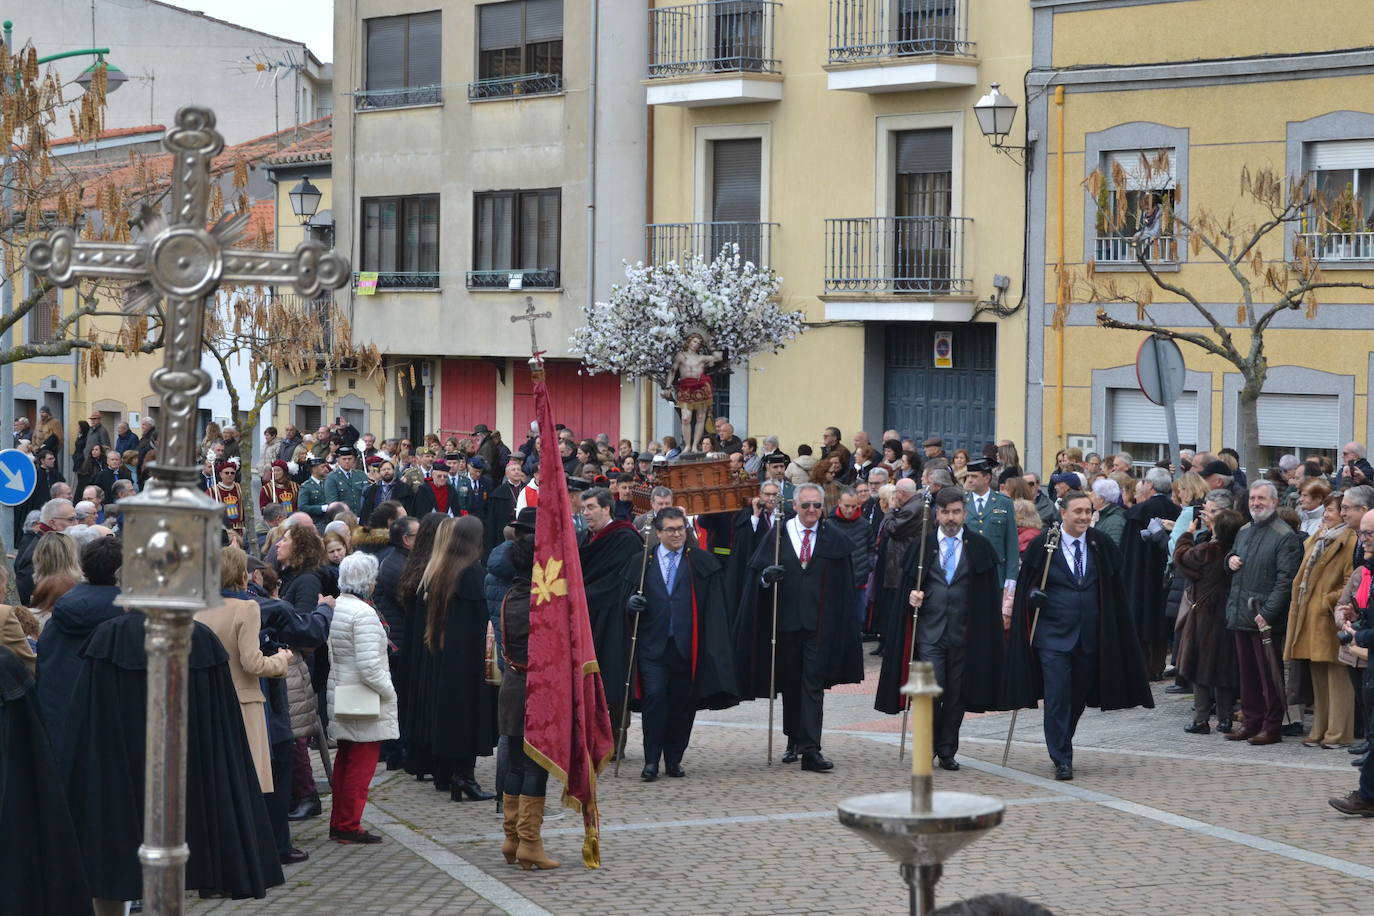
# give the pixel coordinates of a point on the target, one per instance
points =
(113, 134)
(262, 225)
(317, 148)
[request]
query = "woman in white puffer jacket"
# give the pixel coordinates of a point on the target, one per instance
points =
(357, 656)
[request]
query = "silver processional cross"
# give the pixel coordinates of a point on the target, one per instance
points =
(171, 530)
(531, 316)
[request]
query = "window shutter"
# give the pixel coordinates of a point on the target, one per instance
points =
(736, 167)
(550, 225)
(424, 50)
(1133, 163)
(387, 235)
(429, 233)
(1135, 418)
(543, 20)
(1340, 154)
(499, 25)
(386, 40)
(529, 231)
(925, 151)
(1288, 420)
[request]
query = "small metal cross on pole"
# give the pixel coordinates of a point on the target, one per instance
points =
(171, 530)
(532, 316)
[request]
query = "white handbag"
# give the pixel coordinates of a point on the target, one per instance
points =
(356, 700)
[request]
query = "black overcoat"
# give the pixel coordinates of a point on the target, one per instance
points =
(983, 651)
(841, 647)
(40, 862)
(463, 708)
(1144, 561)
(233, 851)
(1121, 682)
(714, 685)
(604, 557)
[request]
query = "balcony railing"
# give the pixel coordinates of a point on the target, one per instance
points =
(504, 279)
(510, 86)
(322, 306)
(897, 254)
(378, 99)
(681, 241)
(715, 37)
(404, 279)
(869, 29)
(1339, 246)
(1118, 250)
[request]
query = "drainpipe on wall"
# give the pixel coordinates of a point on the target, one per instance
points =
(646, 430)
(591, 156)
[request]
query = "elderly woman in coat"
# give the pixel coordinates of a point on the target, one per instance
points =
(237, 622)
(357, 656)
(1327, 563)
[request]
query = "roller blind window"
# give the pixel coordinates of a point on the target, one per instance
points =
(1147, 176)
(401, 234)
(519, 38)
(736, 179)
(517, 230)
(404, 51)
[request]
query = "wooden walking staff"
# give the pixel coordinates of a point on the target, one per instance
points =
(773, 646)
(916, 611)
(1051, 545)
(171, 529)
(634, 643)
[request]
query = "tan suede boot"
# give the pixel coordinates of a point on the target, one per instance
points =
(530, 852)
(510, 807)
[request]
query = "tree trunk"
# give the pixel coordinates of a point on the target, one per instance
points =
(248, 434)
(1247, 416)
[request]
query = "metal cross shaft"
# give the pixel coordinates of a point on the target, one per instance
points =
(531, 316)
(171, 533)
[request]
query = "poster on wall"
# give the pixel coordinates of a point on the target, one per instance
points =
(367, 283)
(944, 350)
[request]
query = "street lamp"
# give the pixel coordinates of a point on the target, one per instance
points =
(114, 77)
(995, 113)
(305, 200)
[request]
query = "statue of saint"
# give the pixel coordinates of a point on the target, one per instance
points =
(691, 389)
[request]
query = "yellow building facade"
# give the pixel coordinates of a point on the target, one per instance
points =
(1204, 89)
(836, 142)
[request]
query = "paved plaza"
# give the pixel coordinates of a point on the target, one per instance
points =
(1156, 821)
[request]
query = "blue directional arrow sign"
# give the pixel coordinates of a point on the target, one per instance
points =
(18, 477)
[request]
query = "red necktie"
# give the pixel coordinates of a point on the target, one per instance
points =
(806, 546)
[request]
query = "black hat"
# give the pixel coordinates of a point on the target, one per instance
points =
(1217, 466)
(525, 520)
(480, 429)
(777, 458)
(347, 450)
(316, 460)
(981, 465)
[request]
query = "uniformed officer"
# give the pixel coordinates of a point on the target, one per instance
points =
(346, 483)
(993, 515)
(312, 495)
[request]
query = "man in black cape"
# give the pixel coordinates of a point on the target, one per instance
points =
(898, 531)
(610, 545)
(818, 636)
(752, 526)
(501, 505)
(1085, 651)
(233, 852)
(41, 869)
(1144, 562)
(685, 660)
(958, 624)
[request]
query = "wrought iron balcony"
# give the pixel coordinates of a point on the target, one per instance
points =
(378, 99)
(321, 306)
(507, 279)
(681, 241)
(897, 254)
(505, 87)
(1339, 246)
(719, 36)
(1113, 249)
(404, 279)
(871, 29)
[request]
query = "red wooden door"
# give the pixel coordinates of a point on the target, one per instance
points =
(586, 404)
(468, 392)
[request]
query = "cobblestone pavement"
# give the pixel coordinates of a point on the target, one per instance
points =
(1155, 821)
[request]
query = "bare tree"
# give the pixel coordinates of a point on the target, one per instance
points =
(1266, 287)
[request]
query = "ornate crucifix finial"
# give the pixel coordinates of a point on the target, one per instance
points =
(530, 315)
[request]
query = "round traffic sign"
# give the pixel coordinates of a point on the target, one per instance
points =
(1160, 370)
(18, 477)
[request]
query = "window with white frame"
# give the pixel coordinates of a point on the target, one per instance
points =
(1138, 426)
(1341, 224)
(1306, 425)
(1145, 178)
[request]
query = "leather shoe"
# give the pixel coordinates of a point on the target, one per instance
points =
(1224, 726)
(649, 773)
(1354, 803)
(1198, 728)
(1266, 738)
(949, 763)
(1177, 688)
(876, 650)
(675, 770)
(1063, 772)
(1241, 735)
(790, 755)
(295, 856)
(1358, 749)
(816, 763)
(305, 809)
(1359, 761)
(1292, 730)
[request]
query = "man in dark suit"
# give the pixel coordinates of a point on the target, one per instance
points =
(818, 635)
(1073, 642)
(683, 649)
(958, 618)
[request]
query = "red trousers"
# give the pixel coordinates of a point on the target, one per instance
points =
(1261, 699)
(354, 766)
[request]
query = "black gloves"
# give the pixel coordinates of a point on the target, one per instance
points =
(772, 574)
(1035, 601)
(637, 604)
